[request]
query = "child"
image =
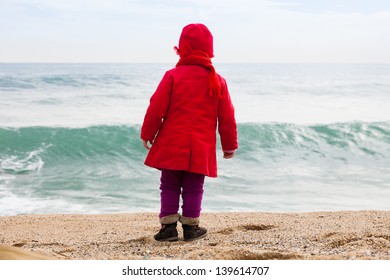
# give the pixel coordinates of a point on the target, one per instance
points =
(179, 130)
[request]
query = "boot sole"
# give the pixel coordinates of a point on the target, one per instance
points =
(196, 238)
(168, 239)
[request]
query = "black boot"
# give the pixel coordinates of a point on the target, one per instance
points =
(193, 232)
(168, 232)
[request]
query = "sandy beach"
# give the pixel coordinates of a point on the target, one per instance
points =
(232, 236)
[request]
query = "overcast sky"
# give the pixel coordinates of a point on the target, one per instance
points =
(272, 31)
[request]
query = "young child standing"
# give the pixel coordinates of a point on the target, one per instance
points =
(179, 130)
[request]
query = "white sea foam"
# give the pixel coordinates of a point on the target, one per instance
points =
(11, 204)
(15, 164)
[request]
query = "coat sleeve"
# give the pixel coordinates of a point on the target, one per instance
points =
(158, 107)
(227, 126)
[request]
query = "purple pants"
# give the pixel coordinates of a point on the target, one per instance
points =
(187, 184)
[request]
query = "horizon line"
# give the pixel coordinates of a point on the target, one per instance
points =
(218, 62)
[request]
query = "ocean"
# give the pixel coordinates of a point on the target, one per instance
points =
(312, 137)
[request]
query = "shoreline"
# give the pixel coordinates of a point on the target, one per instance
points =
(231, 236)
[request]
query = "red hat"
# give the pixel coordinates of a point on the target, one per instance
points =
(196, 37)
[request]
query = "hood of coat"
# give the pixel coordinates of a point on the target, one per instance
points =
(196, 37)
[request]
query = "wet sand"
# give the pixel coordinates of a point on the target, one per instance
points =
(232, 236)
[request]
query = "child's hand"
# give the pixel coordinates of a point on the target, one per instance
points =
(228, 155)
(145, 143)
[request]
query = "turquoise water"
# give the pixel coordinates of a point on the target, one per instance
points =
(312, 137)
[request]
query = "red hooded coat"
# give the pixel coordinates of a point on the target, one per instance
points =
(183, 116)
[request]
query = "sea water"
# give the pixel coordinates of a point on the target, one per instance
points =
(312, 137)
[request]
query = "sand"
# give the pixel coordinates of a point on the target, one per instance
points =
(232, 236)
